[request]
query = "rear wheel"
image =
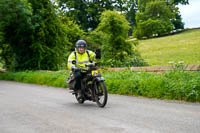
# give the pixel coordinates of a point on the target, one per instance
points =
(101, 94)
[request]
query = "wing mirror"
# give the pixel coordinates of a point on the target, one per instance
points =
(98, 53)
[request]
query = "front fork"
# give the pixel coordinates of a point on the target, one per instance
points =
(95, 86)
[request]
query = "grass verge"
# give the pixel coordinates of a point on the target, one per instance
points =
(56, 79)
(174, 85)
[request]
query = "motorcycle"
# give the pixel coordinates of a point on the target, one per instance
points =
(92, 85)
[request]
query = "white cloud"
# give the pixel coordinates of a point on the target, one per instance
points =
(191, 14)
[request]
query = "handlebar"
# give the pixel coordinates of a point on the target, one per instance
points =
(83, 69)
(91, 66)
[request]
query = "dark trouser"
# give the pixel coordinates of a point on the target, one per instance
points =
(78, 76)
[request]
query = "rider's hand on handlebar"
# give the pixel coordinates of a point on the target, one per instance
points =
(74, 69)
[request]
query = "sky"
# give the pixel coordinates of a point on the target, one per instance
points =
(191, 14)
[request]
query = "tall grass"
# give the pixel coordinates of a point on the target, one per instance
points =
(177, 85)
(184, 46)
(56, 79)
(1, 63)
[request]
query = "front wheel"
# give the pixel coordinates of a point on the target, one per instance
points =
(81, 101)
(101, 94)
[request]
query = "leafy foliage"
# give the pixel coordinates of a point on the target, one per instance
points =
(128, 7)
(34, 35)
(177, 20)
(73, 32)
(154, 20)
(117, 51)
(142, 4)
(183, 2)
(87, 12)
(95, 40)
(49, 38)
(17, 28)
(84, 12)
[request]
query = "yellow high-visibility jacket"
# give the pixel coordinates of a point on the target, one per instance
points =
(81, 59)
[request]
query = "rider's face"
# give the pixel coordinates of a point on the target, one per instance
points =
(81, 50)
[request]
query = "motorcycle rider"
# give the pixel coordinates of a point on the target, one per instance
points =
(81, 56)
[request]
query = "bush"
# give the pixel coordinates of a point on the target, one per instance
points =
(95, 40)
(34, 36)
(177, 85)
(112, 35)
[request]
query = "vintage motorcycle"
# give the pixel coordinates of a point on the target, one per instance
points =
(92, 85)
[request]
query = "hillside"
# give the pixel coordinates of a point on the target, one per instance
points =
(184, 47)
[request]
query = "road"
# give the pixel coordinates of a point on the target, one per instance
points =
(28, 108)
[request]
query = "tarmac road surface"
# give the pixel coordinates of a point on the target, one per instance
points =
(28, 108)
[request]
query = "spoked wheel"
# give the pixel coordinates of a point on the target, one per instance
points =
(81, 101)
(101, 94)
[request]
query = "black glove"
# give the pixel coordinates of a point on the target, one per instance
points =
(98, 54)
(74, 69)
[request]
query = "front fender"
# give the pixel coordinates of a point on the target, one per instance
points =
(100, 79)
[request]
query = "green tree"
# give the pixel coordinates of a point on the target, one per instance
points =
(87, 12)
(50, 41)
(35, 36)
(76, 9)
(177, 21)
(117, 51)
(73, 33)
(176, 2)
(17, 29)
(154, 20)
(172, 5)
(131, 11)
(129, 8)
(142, 4)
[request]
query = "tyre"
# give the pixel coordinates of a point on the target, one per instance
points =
(101, 94)
(81, 101)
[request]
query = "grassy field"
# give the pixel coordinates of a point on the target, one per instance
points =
(184, 46)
